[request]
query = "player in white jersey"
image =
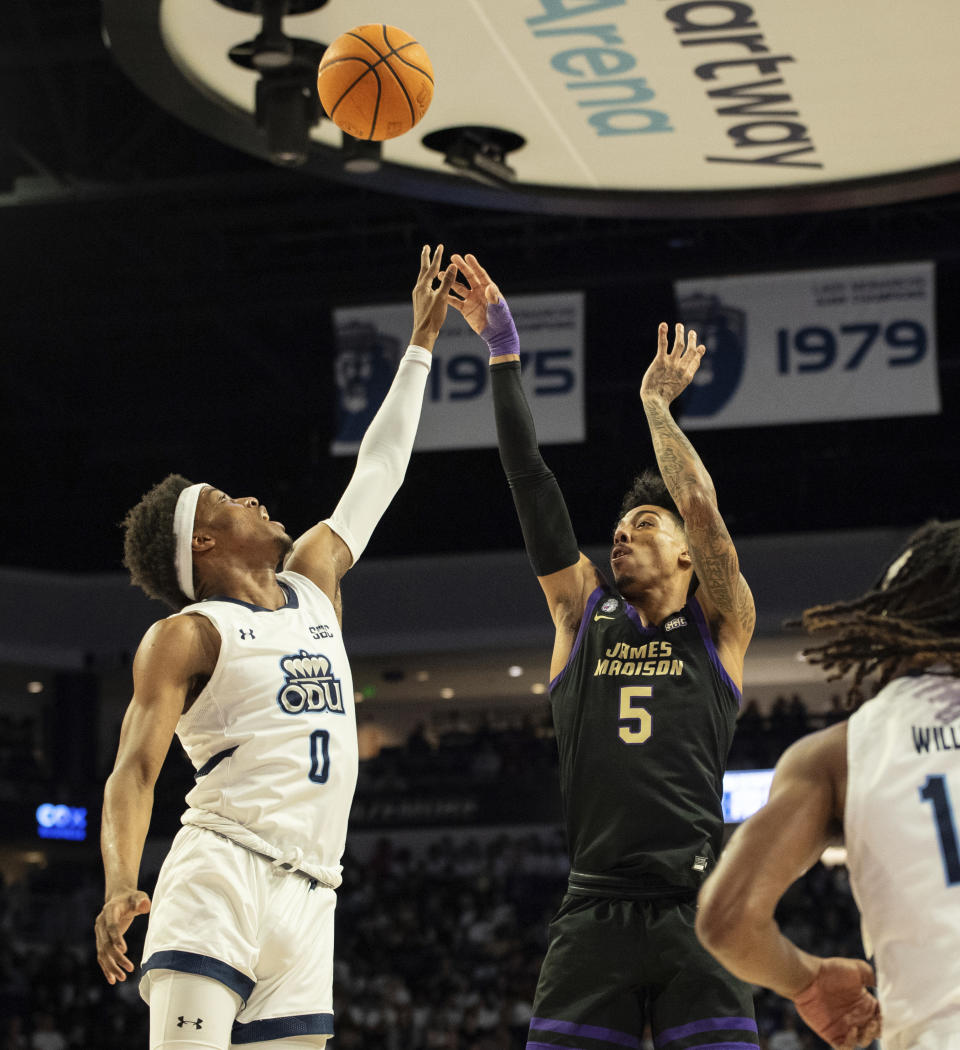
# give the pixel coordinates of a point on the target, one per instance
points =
(252, 675)
(887, 780)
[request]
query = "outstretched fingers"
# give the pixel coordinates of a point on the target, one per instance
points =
(470, 268)
(477, 277)
(434, 268)
(424, 260)
(430, 262)
(683, 344)
(678, 340)
(459, 290)
(693, 347)
(447, 279)
(491, 291)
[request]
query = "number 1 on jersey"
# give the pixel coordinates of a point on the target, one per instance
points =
(935, 791)
(636, 724)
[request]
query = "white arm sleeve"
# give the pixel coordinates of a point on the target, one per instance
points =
(384, 454)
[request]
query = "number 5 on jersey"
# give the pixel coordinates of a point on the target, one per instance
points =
(635, 721)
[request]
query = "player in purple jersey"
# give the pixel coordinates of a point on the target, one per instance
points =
(645, 688)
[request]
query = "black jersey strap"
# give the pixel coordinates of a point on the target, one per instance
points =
(547, 531)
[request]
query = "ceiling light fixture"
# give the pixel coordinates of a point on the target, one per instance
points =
(478, 152)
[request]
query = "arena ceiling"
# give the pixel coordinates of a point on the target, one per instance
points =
(167, 289)
(596, 107)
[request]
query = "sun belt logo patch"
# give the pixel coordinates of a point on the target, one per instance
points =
(609, 605)
(677, 621)
(308, 685)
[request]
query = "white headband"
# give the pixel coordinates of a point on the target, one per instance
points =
(183, 518)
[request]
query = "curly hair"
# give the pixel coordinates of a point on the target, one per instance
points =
(910, 614)
(149, 543)
(649, 487)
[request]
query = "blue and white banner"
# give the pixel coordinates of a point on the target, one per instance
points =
(814, 345)
(457, 409)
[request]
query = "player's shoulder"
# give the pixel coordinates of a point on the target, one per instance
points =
(181, 640)
(815, 755)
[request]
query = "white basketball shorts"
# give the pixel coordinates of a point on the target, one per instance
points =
(221, 911)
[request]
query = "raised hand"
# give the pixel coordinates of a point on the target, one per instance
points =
(671, 371)
(430, 303)
(474, 298)
(484, 308)
(112, 923)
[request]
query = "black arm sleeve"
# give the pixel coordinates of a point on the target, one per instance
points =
(547, 532)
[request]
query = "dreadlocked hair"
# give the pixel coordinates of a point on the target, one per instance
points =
(649, 487)
(910, 614)
(149, 544)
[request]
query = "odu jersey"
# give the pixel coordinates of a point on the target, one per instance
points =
(644, 718)
(901, 828)
(272, 736)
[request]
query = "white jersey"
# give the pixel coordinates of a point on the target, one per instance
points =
(901, 829)
(273, 735)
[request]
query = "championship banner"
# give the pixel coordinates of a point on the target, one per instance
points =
(810, 346)
(457, 410)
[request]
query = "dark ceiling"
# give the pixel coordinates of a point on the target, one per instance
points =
(166, 306)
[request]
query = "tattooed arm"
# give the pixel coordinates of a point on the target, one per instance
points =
(723, 592)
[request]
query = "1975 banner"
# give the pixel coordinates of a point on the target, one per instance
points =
(457, 412)
(808, 346)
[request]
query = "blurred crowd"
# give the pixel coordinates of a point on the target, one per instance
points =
(19, 747)
(485, 745)
(440, 934)
(489, 747)
(436, 950)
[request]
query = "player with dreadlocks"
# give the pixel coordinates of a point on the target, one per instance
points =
(883, 780)
(911, 614)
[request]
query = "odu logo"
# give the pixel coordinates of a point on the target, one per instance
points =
(308, 685)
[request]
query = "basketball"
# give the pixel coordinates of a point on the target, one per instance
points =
(375, 82)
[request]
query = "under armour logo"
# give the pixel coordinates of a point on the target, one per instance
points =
(198, 1024)
(244, 631)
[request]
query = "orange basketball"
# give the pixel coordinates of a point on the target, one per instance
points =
(375, 82)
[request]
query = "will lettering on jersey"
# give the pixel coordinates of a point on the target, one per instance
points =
(935, 738)
(309, 686)
(650, 660)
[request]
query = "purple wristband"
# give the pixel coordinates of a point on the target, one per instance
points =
(500, 333)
